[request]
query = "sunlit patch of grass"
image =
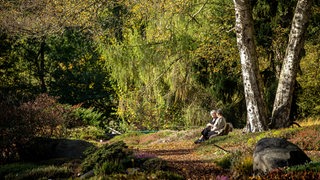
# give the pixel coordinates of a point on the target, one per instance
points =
(86, 133)
(210, 152)
(139, 139)
(189, 134)
(130, 138)
(164, 133)
(157, 138)
(285, 133)
(309, 121)
(236, 137)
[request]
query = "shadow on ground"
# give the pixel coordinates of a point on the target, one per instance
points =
(46, 148)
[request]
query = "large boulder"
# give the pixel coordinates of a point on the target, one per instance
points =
(271, 153)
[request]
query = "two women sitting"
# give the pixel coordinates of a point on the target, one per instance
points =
(217, 126)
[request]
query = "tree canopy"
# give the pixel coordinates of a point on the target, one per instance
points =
(151, 64)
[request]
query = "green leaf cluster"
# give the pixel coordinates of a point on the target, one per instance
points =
(113, 158)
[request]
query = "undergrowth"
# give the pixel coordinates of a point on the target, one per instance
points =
(46, 172)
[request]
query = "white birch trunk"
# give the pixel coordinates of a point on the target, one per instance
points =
(283, 99)
(256, 109)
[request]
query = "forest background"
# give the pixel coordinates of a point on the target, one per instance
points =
(140, 64)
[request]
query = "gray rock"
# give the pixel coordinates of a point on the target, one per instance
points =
(87, 175)
(271, 153)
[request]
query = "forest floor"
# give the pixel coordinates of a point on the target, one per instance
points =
(199, 161)
(221, 158)
(183, 159)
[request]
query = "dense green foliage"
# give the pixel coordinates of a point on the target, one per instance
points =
(175, 71)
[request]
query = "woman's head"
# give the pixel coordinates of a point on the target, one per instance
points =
(219, 112)
(213, 113)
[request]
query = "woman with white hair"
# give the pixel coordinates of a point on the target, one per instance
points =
(214, 128)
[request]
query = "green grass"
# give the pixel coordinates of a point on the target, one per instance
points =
(15, 168)
(32, 171)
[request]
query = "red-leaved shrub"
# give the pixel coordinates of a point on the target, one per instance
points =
(42, 117)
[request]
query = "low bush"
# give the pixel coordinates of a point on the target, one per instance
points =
(243, 167)
(306, 171)
(225, 162)
(87, 133)
(42, 117)
(115, 156)
(116, 159)
(89, 116)
(312, 166)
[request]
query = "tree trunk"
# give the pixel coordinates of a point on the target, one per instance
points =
(41, 66)
(283, 100)
(256, 108)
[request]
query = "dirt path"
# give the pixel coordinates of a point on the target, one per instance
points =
(182, 159)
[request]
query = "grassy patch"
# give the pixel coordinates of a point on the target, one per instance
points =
(14, 168)
(312, 166)
(42, 172)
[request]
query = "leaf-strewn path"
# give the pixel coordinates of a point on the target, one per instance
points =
(183, 160)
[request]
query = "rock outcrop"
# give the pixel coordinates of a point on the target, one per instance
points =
(271, 153)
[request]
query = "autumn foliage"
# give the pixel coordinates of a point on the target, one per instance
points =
(42, 117)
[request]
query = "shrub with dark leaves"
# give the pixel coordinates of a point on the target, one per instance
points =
(42, 117)
(113, 158)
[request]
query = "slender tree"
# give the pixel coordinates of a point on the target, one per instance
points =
(256, 109)
(283, 100)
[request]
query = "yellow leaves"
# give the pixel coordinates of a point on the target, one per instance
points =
(62, 66)
(70, 66)
(91, 85)
(65, 67)
(42, 17)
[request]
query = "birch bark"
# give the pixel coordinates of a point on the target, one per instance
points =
(283, 99)
(256, 108)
